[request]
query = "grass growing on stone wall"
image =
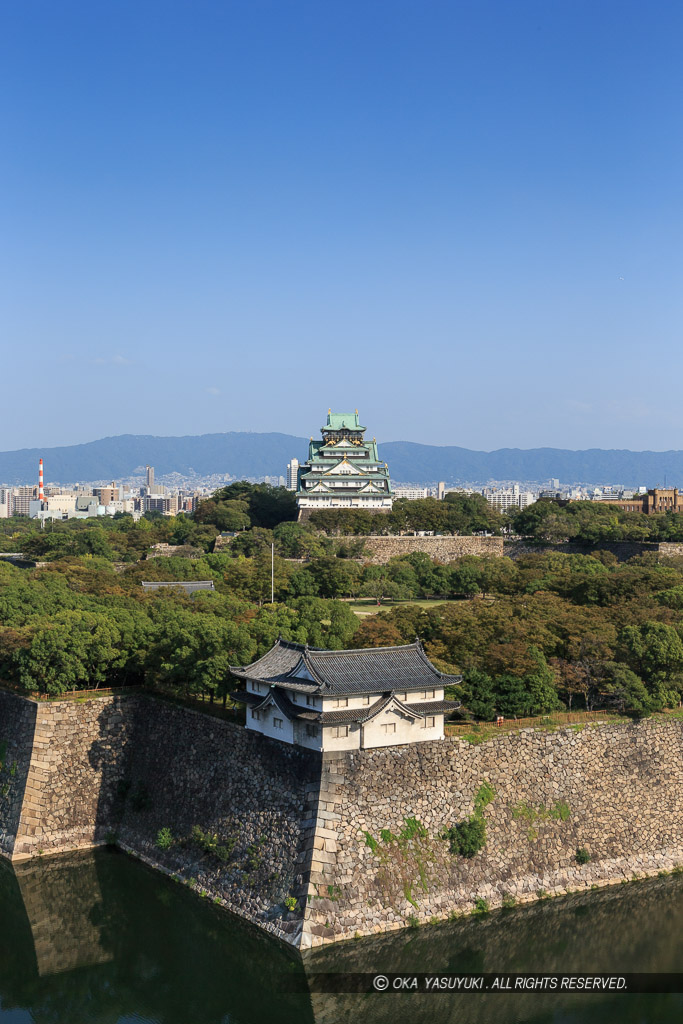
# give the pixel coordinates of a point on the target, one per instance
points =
(164, 839)
(208, 843)
(404, 858)
(534, 815)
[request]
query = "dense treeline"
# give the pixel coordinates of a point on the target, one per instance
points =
(593, 522)
(530, 636)
(457, 513)
(79, 623)
(554, 630)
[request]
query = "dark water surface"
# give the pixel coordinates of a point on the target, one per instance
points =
(98, 937)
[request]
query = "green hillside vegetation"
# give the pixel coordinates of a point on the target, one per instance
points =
(579, 631)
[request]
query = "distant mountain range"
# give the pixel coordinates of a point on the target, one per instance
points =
(256, 455)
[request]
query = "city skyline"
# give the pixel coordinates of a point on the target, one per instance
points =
(478, 203)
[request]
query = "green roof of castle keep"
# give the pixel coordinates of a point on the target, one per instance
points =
(343, 673)
(342, 421)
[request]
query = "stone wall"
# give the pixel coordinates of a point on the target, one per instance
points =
(78, 758)
(446, 549)
(622, 550)
(670, 550)
(256, 796)
(253, 822)
(619, 788)
(17, 726)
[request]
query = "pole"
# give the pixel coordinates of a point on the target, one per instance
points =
(272, 573)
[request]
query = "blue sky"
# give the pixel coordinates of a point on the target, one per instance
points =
(463, 218)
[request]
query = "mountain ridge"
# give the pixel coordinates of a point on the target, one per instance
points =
(250, 454)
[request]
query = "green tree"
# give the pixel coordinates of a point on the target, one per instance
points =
(653, 650)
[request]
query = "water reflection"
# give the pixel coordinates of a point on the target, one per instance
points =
(98, 937)
(63, 902)
(632, 928)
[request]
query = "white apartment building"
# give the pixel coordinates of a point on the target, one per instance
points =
(345, 700)
(511, 497)
(411, 493)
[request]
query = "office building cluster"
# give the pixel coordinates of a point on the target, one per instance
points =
(86, 501)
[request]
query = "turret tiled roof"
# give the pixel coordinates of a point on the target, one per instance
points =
(344, 673)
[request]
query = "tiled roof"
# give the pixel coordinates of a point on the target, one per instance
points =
(344, 715)
(342, 421)
(188, 586)
(376, 668)
(367, 670)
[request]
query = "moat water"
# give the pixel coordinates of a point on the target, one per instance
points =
(98, 938)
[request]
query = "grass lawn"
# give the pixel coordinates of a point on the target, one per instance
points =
(368, 605)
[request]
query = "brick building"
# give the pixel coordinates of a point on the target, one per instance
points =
(657, 500)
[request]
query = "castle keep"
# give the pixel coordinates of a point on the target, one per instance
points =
(343, 470)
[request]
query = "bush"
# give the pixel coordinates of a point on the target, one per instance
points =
(164, 839)
(582, 855)
(290, 902)
(467, 837)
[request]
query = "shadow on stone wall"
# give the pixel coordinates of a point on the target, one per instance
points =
(110, 754)
(17, 729)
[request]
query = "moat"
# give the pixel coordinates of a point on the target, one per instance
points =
(98, 937)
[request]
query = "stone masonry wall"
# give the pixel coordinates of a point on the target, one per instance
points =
(78, 758)
(622, 550)
(276, 822)
(622, 785)
(253, 797)
(445, 549)
(17, 726)
(670, 550)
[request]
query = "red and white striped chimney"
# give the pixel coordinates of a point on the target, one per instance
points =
(41, 496)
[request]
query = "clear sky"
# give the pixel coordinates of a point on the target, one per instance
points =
(464, 218)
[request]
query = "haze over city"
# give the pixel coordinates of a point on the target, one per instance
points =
(462, 218)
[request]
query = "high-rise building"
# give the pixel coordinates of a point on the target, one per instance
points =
(343, 470)
(5, 502)
(22, 498)
(292, 474)
(149, 479)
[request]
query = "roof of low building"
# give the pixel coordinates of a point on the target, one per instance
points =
(189, 586)
(348, 672)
